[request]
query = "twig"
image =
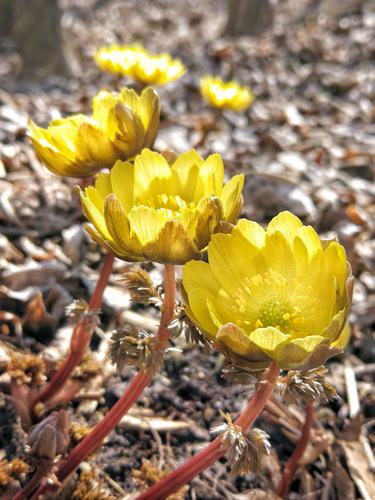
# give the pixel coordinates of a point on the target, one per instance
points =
(352, 391)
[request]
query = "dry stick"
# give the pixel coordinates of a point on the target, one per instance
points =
(292, 464)
(198, 463)
(81, 337)
(94, 439)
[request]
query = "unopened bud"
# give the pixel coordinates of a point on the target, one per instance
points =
(50, 437)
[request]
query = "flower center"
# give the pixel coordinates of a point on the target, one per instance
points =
(170, 206)
(279, 313)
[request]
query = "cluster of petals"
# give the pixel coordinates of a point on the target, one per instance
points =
(121, 125)
(138, 64)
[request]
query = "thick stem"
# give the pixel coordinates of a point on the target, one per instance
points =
(81, 337)
(42, 470)
(94, 439)
(198, 463)
(162, 335)
(292, 465)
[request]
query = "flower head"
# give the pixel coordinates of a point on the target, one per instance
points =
(227, 95)
(120, 127)
(160, 212)
(281, 294)
(140, 65)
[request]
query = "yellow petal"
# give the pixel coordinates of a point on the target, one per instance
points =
(344, 338)
(172, 245)
(96, 198)
(103, 185)
(332, 331)
(94, 215)
(210, 214)
(149, 112)
(198, 311)
(251, 232)
(122, 183)
(287, 224)
(236, 340)
(311, 241)
(57, 163)
(151, 175)
(102, 103)
(185, 171)
(125, 130)
(335, 259)
(146, 223)
(269, 340)
(92, 146)
(108, 245)
(231, 198)
(119, 228)
(296, 352)
(130, 98)
(63, 137)
(198, 274)
(229, 260)
(212, 175)
(279, 255)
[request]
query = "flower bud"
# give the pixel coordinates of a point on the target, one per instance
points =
(50, 437)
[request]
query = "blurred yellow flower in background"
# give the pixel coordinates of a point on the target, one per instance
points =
(122, 124)
(281, 294)
(226, 95)
(118, 59)
(138, 64)
(160, 212)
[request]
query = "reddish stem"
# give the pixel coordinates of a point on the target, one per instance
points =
(292, 465)
(95, 437)
(198, 463)
(81, 337)
(43, 468)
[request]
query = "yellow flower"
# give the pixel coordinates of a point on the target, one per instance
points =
(281, 294)
(117, 59)
(227, 95)
(120, 127)
(140, 65)
(159, 212)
